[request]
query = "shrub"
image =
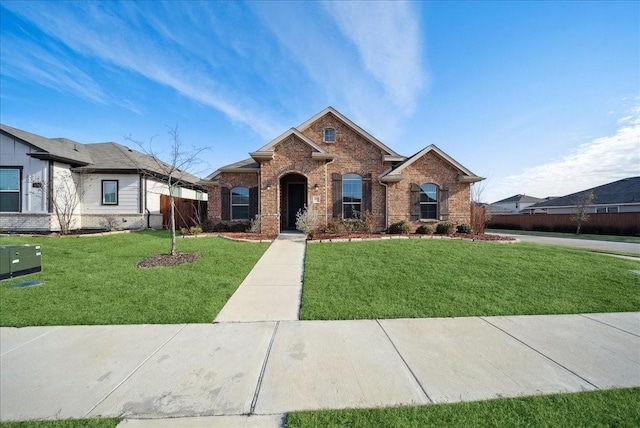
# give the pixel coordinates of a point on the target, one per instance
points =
(184, 231)
(307, 220)
(220, 227)
(240, 226)
(399, 228)
(444, 228)
(464, 228)
(110, 223)
(255, 225)
(360, 222)
(208, 225)
(194, 230)
(424, 230)
(334, 226)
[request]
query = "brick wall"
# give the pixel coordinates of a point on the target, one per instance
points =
(430, 169)
(230, 180)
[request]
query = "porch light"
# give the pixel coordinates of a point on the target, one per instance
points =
(316, 187)
(269, 186)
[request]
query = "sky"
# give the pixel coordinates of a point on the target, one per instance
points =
(541, 98)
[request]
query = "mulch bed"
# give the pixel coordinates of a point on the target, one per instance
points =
(349, 236)
(168, 260)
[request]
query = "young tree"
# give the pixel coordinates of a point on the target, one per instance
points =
(581, 214)
(64, 193)
(172, 171)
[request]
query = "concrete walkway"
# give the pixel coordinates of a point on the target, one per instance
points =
(625, 247)
(265, 369)
(272, 290)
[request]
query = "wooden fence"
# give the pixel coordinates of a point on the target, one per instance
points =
(189, 212)
(605, 224)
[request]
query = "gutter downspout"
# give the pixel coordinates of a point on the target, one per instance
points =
(326, 193)
(386, 204)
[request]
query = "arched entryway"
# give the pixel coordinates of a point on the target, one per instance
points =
(293, 197)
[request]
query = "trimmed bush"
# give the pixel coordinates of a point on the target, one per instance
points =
(424, 230)
(464, 228)
(444, 228)
(399, 228)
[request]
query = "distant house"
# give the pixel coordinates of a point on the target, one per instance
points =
(622, 196)
(331, 164)
(513, 205)
(110, 182)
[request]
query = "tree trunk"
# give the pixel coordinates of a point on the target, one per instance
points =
(173, 225)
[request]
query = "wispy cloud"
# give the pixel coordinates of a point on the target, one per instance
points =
(593, 163)
(118, 34)
(389, 42)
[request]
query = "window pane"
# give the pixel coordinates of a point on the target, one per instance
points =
(9, 202)
(199, 195)
(428, 193)
(240, 195)
(109, 192)
(176, 191)
(613, 209)
(350, 210)
(601, 210)
(329, 134)
(10, 179)
(240, 213)
(351, 188)
(429, 211)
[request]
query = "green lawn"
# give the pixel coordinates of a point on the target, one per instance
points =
(94, 280)
(614, 408)
(443, 278)
(613, 238)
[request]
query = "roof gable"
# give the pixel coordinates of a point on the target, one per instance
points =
(465, 175)
(59, 149)
(390, 155)
(266, 152)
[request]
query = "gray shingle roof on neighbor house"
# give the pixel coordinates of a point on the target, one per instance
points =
(625, 191)
(97, 157)
(520, 198)
(61, 149)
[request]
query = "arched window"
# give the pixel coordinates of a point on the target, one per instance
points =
(329, 135)
(240, 203)
(351, 195)
(429, 201)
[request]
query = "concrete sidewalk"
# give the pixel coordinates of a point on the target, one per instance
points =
(625, 247)
(265, 369)
(272, 290)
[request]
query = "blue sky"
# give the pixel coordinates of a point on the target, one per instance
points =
(541, 98)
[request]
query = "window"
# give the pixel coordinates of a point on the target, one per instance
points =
(109, 192)
(429, 201)
(10, 189)
(603, 210)
(329, 135)
(351, 195)
(176, 191)
(240, 203)
(199, 195)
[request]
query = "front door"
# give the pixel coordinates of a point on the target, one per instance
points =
(296, 199)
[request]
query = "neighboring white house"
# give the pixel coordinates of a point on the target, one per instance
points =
(513, 205)
(104, 182)
(622, 196)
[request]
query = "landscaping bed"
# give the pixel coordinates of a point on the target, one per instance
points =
(359, 236)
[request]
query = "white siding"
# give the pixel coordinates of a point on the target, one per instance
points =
(15, 153)
(128, 194)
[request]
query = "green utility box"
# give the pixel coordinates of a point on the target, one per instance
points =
(18, 260)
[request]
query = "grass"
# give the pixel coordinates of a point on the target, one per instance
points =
(442, 278)
(613, 408)
(94, 280)
(613, 238)
(64, 423)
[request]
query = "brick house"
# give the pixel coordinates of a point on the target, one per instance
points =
(332, 165)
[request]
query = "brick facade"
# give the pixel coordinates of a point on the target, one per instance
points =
(291, 160)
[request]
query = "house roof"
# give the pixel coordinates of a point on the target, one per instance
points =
(97, 157)
(246, 165)
(59, 149)
(395, 174)
(521, 199)
(393, 156)
(625, 191)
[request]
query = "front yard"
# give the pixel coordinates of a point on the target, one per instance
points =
(441, 278)
(94, 280)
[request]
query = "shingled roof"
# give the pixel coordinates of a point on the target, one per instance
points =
(521, 199)
(625, 191)
(97, 157)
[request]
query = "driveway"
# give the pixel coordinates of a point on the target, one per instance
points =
(626, 247)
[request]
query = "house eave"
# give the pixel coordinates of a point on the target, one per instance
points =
(469, 179)
(261, 156)
(390, 158)
(391, 178)
(49, 156)
(322, 156)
